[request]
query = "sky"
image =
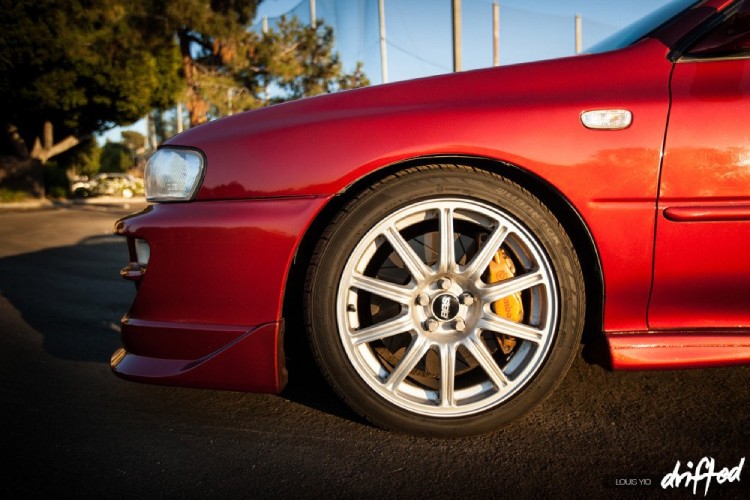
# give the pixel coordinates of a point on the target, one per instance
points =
(419, 32)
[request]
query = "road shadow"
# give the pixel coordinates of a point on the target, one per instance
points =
(72, 296)
(306, 385)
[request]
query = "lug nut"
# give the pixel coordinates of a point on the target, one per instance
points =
(466, 299)
(423, 299)
(431, 325)
(459, 325)
(445, 283)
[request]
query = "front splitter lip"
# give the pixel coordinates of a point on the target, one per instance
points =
(252, 362)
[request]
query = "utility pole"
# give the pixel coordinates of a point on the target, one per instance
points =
(495, 34)
(313, 21)
(264, 30)
(151, 132)
(180, 126)
(456, 35)
(383, 45)
(578, 33)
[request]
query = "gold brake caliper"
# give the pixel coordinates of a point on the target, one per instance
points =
(510, 307)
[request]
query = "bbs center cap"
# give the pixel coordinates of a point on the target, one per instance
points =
(445, 307)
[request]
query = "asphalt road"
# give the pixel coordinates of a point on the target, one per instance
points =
(70, 426)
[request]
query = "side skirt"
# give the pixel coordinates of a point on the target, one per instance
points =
(678, 349)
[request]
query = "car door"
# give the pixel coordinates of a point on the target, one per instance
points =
(702, 252)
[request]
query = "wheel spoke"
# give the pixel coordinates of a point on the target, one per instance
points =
(497, 291)
(388, 328)
(390, 291)
(413, 263)
(477, 349)
(414, 353)
(447, 241)
(481, 260)
(495, 323)
(447, 374)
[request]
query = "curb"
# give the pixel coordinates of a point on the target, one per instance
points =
(26, 205)
(104, 201)
(107, 200)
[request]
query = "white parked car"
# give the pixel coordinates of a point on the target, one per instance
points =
(108, 184)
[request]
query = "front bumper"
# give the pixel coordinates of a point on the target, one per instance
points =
(208, 312)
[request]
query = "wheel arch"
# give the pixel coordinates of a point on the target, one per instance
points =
(563, 209)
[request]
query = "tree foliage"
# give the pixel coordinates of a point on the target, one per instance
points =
(135, 141)
(228, 68)
(116, 157)
(300, 62)
(83, 159)
(207, 32)
(74, 68)
(70, 69)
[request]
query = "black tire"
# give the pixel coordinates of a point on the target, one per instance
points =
(417, 353)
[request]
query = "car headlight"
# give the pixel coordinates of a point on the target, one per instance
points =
(173, 174)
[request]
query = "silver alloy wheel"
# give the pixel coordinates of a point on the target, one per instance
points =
(415, 309)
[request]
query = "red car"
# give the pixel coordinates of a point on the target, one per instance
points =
(442, 243)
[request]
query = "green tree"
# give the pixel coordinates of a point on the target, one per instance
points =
(135, 141)
(299, 61)
(228, 68)
(69, 69)
(208, 34)
(115, 157)
(83, 159)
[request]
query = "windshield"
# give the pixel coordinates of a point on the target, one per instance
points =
(642, 27)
